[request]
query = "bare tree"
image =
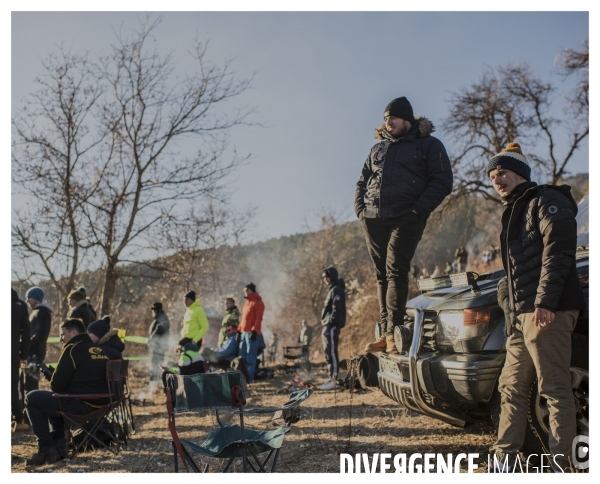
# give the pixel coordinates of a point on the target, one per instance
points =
(202, 244)
(144, 175)
(507, 104)
(54, 140)
(577, 62)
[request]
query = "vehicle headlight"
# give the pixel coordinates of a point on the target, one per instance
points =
(461, 324)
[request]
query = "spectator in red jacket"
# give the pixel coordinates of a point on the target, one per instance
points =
(249, 328)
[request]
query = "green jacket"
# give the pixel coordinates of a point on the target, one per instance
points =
(195, 323)
(186, 359)
(232, 317)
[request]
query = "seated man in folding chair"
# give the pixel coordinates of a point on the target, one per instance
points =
(81, 369)
(190, 362)
(224, 355)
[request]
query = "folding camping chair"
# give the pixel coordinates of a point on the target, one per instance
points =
(125, 411)
(104, 414)
(295, 355)
(214, 391)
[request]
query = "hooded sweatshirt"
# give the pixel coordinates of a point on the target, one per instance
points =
(334, 307)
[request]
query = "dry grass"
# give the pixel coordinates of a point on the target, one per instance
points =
(332, 423)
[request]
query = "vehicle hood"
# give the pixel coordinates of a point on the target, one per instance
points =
(460, 297)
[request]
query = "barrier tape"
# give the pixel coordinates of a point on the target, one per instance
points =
(131, 339)
(130, 358)
(143, 340)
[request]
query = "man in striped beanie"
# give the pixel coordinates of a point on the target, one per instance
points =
(541, 298)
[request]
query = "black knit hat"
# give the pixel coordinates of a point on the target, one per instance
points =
(191, 295)
(400, 108)
(251, 286)
(99, 328)
(512, 159)
(157, 306)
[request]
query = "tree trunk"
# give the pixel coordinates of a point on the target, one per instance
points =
(110, 285)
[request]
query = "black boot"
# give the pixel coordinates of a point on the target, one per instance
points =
(46, 456)
(61, 447)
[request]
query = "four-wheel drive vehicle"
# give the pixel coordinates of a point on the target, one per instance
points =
(452, 349)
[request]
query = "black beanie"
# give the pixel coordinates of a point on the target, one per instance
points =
(191, 295)
(251, 286)
(99, 328)
(511, 159)
(400, 108)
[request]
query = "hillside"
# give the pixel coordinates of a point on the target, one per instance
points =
(286, 271)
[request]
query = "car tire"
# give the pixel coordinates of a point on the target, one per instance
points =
(536, 435)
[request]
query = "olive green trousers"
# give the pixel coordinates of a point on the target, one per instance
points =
(545, 353)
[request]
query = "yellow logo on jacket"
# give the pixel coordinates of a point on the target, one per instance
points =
(97, 353)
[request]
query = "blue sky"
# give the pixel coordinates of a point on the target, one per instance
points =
(322, 80)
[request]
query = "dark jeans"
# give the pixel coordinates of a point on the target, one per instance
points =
(16, 391)
(392, 244)
(32, 377)
(214, 358)
(331, 337)
(41, 408)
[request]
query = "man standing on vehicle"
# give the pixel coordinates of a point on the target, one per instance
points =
(541, 297)
(406, 176)
(333, 319)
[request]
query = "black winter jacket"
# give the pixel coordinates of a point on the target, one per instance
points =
(40, 321)
(538, 240)
(83, 312)
(412, 173)
(334, 308)
(111, 345)
(158, 333)
(19, 328)
(81, 368)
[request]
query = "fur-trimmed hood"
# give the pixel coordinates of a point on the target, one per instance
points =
(112, 345)
(423, 125)
(107, 336)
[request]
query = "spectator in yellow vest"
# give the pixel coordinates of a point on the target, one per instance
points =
(195, 323)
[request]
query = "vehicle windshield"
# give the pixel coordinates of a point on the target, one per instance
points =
(583, 223)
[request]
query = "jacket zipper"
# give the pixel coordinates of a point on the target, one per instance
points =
(508, 275)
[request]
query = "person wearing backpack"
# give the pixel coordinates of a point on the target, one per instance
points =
(333, 319)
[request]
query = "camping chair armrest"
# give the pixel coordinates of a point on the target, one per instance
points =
(296, 398)
(83, 396)
(257, 410)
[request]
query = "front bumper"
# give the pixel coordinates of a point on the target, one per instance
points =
(449, 380)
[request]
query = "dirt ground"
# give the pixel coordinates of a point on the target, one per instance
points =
(332, 422)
